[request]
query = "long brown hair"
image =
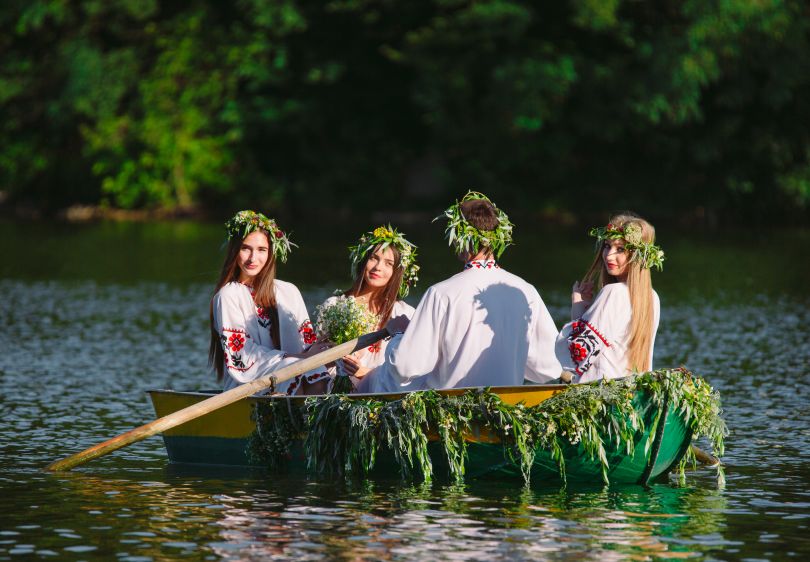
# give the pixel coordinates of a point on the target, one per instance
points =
(639, 285)
(384, 299)
(264, 296)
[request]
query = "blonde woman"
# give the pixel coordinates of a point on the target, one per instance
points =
(614, 334)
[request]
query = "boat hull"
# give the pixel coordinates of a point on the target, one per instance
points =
(221, 438)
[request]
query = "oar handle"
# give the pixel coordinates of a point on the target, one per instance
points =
(218, 401)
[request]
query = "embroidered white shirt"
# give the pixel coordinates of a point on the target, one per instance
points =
(481, 327)
(595, 346)
(244, 331)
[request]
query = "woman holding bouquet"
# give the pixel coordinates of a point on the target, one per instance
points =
(383, 264)
(258, 323)
(614, 334)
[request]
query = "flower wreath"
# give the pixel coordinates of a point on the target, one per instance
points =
(466, 238)
(649, 255)
(245, 222)
(388, 236)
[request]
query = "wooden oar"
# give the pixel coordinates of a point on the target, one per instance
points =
(705, 458)
(218, 401)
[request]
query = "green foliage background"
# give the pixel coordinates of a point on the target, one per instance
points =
(670, 106)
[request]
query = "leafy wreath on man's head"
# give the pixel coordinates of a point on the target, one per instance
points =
(386, 236)
(245, 222)
(464, 237)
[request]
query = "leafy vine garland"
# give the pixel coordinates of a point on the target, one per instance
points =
(342, 435)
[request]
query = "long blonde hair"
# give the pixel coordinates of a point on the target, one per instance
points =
(639, 284)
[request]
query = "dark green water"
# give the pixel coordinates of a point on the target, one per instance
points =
(94, 315)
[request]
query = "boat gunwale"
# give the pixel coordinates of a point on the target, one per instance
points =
(511, 389)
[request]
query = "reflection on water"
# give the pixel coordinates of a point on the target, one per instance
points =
(256, 518)
(79, 354)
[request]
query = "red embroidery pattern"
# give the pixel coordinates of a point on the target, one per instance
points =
(375, 347)
(307, 333)
(264, 316)
(232, 344)
(313, 378)
(578, 352)
(591, 327)
(585, 344)
(481, 264)
(236, 342)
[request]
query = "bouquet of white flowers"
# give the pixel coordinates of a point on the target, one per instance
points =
(343, 319)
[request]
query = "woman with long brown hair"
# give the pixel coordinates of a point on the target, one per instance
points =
(614, 334)
(258, 323)
(383, 265)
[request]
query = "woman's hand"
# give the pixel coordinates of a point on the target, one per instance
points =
(581, 298)
(353, 367)
(314, 349)
(582, 292)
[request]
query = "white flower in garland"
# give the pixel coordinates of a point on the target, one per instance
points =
(344, 319)
(632, 234)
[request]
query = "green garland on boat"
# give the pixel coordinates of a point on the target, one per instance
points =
(343, 434)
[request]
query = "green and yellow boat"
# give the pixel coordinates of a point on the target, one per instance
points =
(663, 439)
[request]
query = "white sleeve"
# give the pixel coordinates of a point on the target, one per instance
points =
(295, 329)
(656, 320)
(245, 360)
(301, 336)
(581, 343)
(542, 364)
(403, 308)
(417, 352)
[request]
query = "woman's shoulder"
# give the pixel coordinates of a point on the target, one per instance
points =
(402, 307)
(233, 289)
(325, 304)
(615, 289)
(285, 288)
(289, 298)
(330, 301)
(612, 298)
(614, 292)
